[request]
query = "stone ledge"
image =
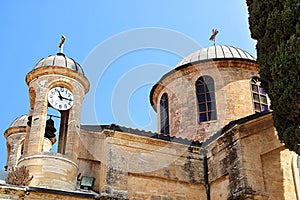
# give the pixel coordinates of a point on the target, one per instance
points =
(58, 157)
(58, 70)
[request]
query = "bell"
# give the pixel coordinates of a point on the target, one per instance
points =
(50, 129)
(29, 120)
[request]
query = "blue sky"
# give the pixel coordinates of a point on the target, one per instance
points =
(98, 30)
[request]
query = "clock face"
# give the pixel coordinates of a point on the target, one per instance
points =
(60, 98)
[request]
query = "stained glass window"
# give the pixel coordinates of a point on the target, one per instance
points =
(260, 100)
(205, 92)
(164, 114)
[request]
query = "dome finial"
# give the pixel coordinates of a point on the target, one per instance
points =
(213, 36)
(61, 44)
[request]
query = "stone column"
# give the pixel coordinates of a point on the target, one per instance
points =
(36, 135)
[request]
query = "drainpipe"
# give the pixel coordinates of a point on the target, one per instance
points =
(206, 181)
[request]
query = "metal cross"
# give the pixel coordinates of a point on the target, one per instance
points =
(213, 35)
(61, 44)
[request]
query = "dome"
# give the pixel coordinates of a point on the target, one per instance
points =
(59, 60)
(216, 52)
(20, 121)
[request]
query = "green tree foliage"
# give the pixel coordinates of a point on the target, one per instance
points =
(275, 24)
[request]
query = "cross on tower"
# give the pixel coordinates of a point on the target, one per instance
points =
(213, 35)
(61, 44)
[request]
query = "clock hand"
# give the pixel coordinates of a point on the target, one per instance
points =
(60, 96)
(66, 98)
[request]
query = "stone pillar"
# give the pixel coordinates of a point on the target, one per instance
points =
(73, 131)
(39, 115)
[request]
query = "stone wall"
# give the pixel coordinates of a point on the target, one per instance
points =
(224, 165)
(267, 164)
(15, 137)
(245, 162)
(136, 167)
(233, 96)
(135, 160)
(91, 157)
(154, 188)
(51, 170)
(249, 162)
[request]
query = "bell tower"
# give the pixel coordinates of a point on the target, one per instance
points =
(57, 82)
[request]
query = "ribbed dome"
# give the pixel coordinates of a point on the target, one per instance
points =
(20, 121)
(59, 60)
(216, 52)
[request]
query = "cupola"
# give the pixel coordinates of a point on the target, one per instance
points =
(205, 91)
(216, 52)
(59, 60)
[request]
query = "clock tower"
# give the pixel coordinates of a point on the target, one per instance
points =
(57, 82)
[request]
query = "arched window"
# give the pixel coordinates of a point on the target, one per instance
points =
(205, 91)
(260, 101)
(53, 131)
(164, 114)
(8, 155)
(21, 147)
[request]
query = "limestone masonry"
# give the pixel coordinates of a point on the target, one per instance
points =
(215, 137)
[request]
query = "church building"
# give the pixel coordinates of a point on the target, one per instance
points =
(215, 139)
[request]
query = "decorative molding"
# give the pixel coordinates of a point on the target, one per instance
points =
(13, 130)
(48, 155)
